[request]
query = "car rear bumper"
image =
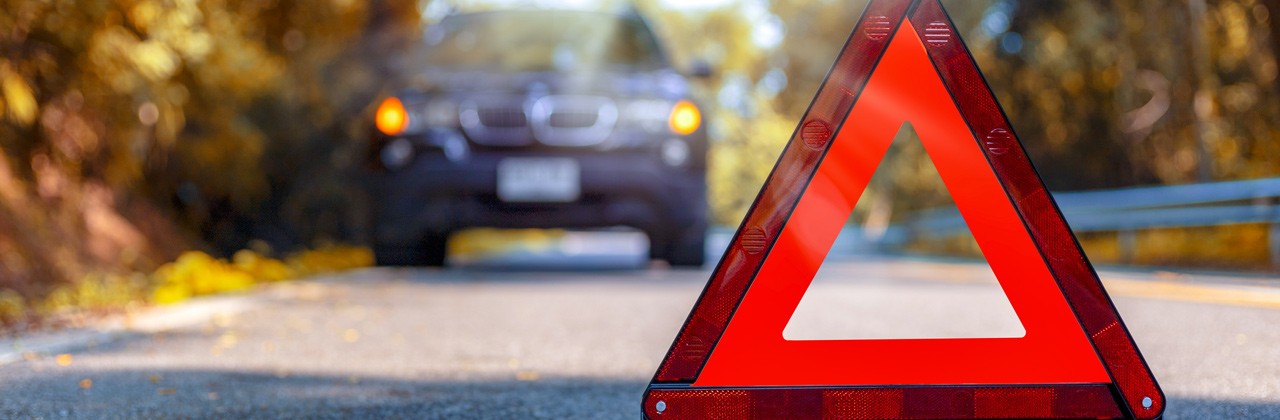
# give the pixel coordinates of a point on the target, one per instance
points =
(436, 196)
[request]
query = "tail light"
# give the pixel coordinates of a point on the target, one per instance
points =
(391, 117)
(685, 118)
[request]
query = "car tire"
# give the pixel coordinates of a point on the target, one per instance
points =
(434, 250)
(389, 256)
(681, 249)
(431, 252)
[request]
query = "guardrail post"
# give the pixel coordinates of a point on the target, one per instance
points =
(1127, 241)
(1273, 239)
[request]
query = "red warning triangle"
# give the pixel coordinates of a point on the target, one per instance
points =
(904, 63)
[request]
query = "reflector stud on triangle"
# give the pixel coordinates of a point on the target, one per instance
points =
(903, 63)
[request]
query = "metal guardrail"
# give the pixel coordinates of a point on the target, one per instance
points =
(1128, 210)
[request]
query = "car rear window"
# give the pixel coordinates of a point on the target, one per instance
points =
(541, 41)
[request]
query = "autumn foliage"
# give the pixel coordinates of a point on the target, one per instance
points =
(133, 130)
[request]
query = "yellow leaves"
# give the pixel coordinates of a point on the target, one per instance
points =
(112, 87)
(737, 168)
(63, 359)
(480, 241)
(108, 56)
(343, 5)
(1228, 246)
(1234, 20)
(195, 273)
(261, 268)
(154, 60)
(194, 47)
(94, 292)
(170, 293)
(1073, 82)
(228, 340)
(331, 259)
(143, 14)
(12, 306)
(127, 63)
(19, 99)
(177, 25)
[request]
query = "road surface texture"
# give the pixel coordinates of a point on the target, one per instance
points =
(547, 342)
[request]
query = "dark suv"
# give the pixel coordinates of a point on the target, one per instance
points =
(539, 119)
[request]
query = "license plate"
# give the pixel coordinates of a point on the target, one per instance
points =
(538, 180)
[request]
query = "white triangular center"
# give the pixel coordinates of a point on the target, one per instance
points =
(863, 294)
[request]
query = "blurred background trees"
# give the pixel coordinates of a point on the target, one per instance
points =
(1105, 94)
(134, 129)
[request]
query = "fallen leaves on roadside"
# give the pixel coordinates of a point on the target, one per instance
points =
(222, 320)
(63, 359)
(299, 325)
(86, 383)
(196, 273)
(228, 340)
(13, 306)
(528, 375)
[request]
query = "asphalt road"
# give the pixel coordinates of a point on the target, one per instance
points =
(492, 341)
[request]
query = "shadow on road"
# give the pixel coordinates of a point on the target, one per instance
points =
(1205, 408)
(241, 394)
